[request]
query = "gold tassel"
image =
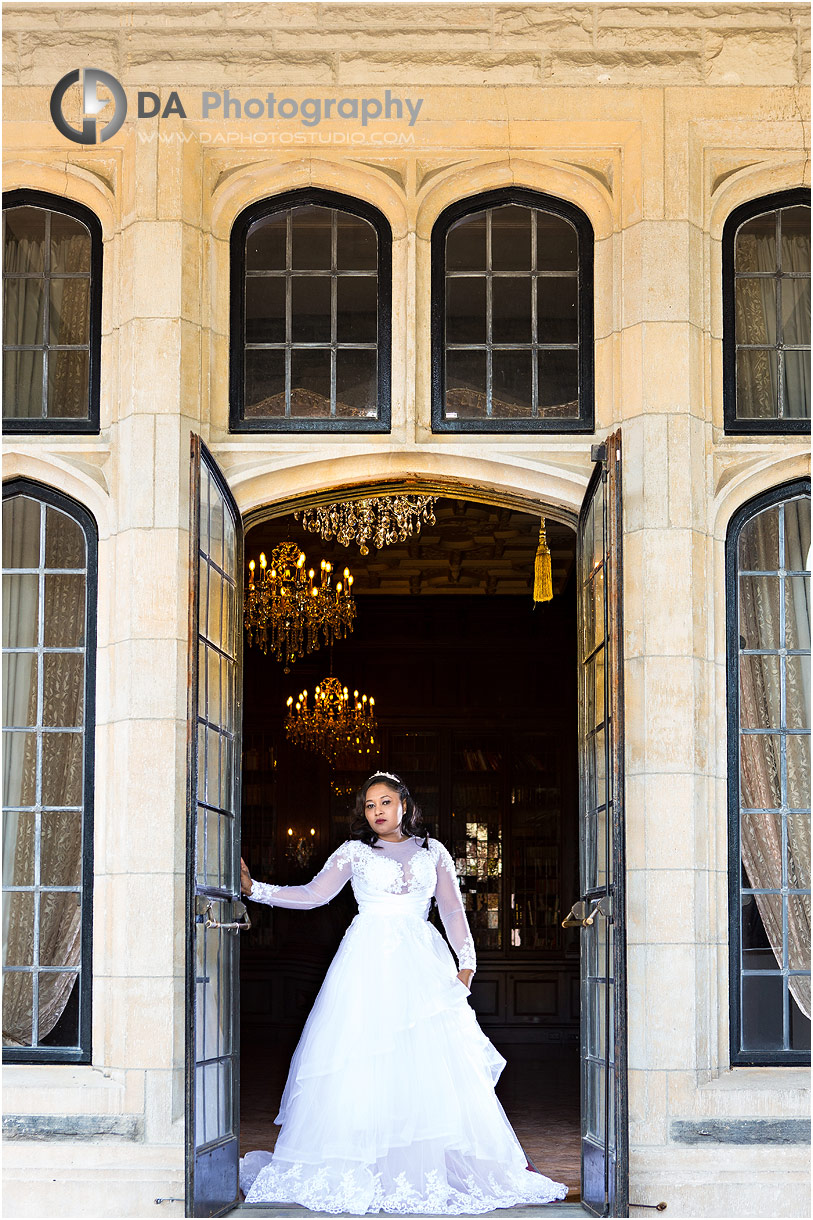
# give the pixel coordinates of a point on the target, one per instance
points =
(543, 580)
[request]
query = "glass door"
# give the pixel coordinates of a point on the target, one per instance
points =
(215, 915)
(601, 906)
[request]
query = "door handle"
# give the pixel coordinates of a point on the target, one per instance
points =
(235, 926)
(579, 917)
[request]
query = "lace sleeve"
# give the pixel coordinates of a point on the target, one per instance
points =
(324, 886)
(450, 906)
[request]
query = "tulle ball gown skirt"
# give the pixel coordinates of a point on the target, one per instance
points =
(389, 1104)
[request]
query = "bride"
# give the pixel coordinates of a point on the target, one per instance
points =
(390, 1104)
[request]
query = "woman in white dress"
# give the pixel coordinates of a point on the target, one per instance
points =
(390, 1104)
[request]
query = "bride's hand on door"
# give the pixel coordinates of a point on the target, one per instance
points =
(246, 884)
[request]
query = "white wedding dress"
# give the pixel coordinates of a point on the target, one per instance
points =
(389, 1104)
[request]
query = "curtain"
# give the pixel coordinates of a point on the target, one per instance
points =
(760, 754)
(758, 371)
(69, 323)
(61, 771)
(23, 308)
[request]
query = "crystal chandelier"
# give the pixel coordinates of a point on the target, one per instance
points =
(380, 520)
(286, 610)
(334, 724)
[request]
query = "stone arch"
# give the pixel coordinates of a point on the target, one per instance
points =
(67, 182)
(543, 489)
(64, 476)
(751, 183)
(750, 481)
(576, 186)
(264, 179)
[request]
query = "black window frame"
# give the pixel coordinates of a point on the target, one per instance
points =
(77, 512)
(237, 312)
(739, 1057)
(77, 211)
(734, 426)
(524, 197)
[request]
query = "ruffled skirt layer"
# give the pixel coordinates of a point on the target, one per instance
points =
(390, 1103)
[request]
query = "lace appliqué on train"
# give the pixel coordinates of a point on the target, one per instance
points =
(360, 1191)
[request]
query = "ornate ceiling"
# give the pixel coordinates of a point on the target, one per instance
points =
(472, 549)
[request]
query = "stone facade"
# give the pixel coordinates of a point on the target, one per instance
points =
(657, 121)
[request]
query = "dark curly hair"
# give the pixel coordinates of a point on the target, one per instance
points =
(411, 824)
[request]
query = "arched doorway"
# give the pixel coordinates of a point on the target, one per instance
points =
(500, 851)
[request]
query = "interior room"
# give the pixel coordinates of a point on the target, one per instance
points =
(474, 703)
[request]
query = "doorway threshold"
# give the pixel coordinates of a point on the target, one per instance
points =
(540, 1211)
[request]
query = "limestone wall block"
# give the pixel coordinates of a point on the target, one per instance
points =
(135, 436)
(670, 913)
(149, 560)
(43, 57)
(752, 57)
(209, 62)
(70, 1089)
(671, 696)
(372, 16)
(155, 368)
(670, 1006)
(154, 251)
(605, 382)
(688, 474)
(672, 590)
(693, 1184)
(193, 306)
(217, 391)
(635, 820)
(645, 464)
(700, 16)
(79, 1178)
(669, 36)
(648, 1122)
(636, 906)
(147, 930)
(630, 397)
(194, 373)
(634, 714)
(751, 1092)
(139, 815)
(163, 1122)
(413, 69)
(148, 677)
(669, 375)
(138, 1021)
(646, 67)
(139, 187)
(545, 26)
(637, 1016)
(635, 600)
(670, 821)
(405, 30)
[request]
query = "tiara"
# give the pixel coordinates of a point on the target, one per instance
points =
(387, 775)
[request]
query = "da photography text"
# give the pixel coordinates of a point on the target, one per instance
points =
(214, 104)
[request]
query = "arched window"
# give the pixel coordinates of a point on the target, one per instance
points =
(52, 310)
(512, 315)
(310, 315)
(768, 599)
(766, 315)
(49, 640)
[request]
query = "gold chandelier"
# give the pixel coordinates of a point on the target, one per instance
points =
(335, 724)
(286, 610)
(380, 520)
